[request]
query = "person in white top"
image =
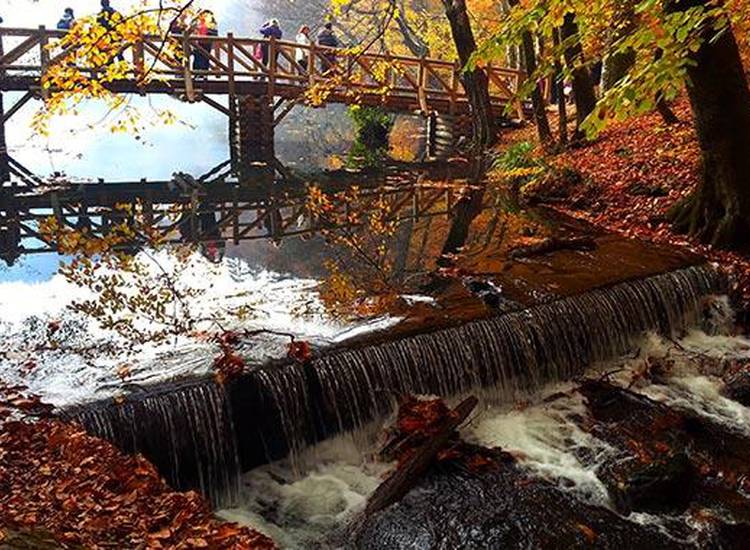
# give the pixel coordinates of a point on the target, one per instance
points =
(301, 55)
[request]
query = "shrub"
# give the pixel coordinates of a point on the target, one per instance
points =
(372, 127)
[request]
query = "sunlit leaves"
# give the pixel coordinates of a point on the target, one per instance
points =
(97, 52)
(361, 270)
(662, 39)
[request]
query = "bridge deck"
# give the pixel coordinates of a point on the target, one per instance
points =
(398, 83)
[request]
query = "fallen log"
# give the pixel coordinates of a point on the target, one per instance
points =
(406, 476)
(552, 244)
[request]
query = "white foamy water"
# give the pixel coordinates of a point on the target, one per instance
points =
(545, 438)
(299, 507)
(81, 361)
(299, 510)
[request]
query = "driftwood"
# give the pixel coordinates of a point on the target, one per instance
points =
(395, 487)
(552, 244)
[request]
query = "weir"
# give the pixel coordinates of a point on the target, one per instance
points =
(202, 435)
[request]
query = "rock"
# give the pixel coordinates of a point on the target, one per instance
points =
(499, 509)
(737, 386)
(662, 486)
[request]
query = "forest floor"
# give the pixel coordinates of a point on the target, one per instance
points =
(628, 179)
(60, 487)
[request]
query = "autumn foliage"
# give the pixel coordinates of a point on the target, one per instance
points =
(85, 493)
(420, 420)
(630, 177)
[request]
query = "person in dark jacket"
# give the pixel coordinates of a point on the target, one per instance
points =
(327, 38)
(270, 29)
(206, 26)
(66, 21)
(108, 18)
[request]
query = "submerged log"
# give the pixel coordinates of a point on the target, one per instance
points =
(410, 472)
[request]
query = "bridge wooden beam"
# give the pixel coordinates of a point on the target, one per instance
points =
(18, 105)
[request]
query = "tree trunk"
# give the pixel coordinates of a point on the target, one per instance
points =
(562, 108)
(583, 86)
(667, 115)
(475, 82)
(618, 64)
(412, 40)
(537, 101)
(718, 212)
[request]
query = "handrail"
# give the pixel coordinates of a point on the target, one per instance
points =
(233, 61)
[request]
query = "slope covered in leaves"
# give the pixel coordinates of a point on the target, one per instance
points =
(630, 178)
(85, 493)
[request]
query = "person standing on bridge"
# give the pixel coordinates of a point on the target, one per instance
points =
(66, 21)
(301, 55)
(327, 38)
(270, 29)
(205, 25)
(109, 18)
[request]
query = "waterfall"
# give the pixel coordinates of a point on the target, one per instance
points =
(199, 436)
(519, 350)
(186, 431)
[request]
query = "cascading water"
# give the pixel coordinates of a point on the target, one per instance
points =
(520, 350)
(187, 432)
(281, 409)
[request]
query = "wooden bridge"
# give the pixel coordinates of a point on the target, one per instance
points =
(256, 96)
(209, 210)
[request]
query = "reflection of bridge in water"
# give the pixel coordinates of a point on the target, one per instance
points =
(207, 210)
(255, 96)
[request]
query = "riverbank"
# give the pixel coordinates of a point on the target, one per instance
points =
(626, 181)
(61, 486)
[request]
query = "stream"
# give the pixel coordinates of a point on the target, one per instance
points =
(301, 502)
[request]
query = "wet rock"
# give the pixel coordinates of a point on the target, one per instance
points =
(730, 536)
(667, 459)
(663, 486)
(737, 386)
(499, 509)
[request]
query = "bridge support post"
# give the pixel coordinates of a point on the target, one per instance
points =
(4, 166)
(254, 126)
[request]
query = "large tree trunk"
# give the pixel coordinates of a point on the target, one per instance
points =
(583, 85)
(537, 101)
(475, 82)
(718, 212)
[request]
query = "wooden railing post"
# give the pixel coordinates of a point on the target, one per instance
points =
(422, 86)
(189, 91)
(272, 67)
(43, 56)
(139, 62)
(4, 168)
(230, 64)
(311, 64)
(455, 78)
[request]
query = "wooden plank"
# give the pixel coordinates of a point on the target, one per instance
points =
(21, 49)
(216, 105)
(408, 474)
(17, 105)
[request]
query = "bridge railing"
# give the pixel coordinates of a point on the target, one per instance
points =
(288, 66)
(214, 212)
